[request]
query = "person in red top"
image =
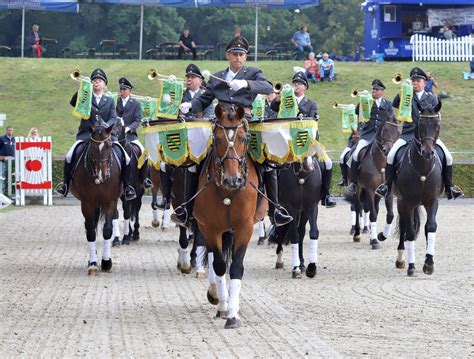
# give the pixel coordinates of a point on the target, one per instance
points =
(35, 40)
(312, 68)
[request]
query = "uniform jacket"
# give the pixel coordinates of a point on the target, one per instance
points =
(306, 107)
(105, 109)
(208, 111)
(131, 115)
(428, 100)
(367, 130)
(31, 38)
(7, 146)
(258, 84)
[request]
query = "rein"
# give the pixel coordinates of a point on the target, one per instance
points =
(90, 162)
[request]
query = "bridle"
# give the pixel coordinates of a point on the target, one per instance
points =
(91, 161)
(419, 140)
(380, 143)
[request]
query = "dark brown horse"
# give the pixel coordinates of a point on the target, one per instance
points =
(371, 174)
(418, 182)
(97, 184)
(226, 208)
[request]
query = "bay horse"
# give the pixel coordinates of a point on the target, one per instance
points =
(302, 190)
(97, 183)
(370, 175)
(226, 208)
(419, 182)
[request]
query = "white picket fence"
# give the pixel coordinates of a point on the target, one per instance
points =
(426, 48)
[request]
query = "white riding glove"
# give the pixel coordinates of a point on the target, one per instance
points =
(185, 107)
(236, 85)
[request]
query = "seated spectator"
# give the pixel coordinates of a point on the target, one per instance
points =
(302, 42)
(7, 149)
(448, 34)
(430, 82)
(35, 39)
(33, 134)
(326, 68)
(186, 44)
(312, 68)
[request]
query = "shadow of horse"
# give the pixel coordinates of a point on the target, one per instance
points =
(97, 184)
(419, 182)
(226, 209)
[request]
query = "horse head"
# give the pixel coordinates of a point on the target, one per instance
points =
(428, 129)
(230, 146)
(100, 150)
(388, 131)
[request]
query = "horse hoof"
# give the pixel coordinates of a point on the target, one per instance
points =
(352, 231)
(428, 268)
(232, 323)
(356, 238)
(211, 299)
(178, 266)
(221, 314)
(155, 223)
(302, 268)
(106, 265)
(136, 237)
(296, 273)
(92, 269)
(400, 264)
(261, 240)
(126, 240)
(116, 242)
(411, 272)
(201, 275)
(186, 270)
(311, 270)
(279, 265)
(365, 230)
(381, 237)
(375, 244)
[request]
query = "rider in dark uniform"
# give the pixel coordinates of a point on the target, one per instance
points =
(102, 107)
(368, 129)
(239, 86)
(308, 108)
(194, 88)
(421, 99)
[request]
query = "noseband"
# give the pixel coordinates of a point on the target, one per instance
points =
(91, 162)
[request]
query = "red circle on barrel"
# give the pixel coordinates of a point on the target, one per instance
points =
(33, 165)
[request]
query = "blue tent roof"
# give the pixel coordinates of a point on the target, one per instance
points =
(43, 5)
(170, 3)
(274, 4)
(418, 2)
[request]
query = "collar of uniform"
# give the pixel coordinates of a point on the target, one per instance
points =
(299, 99)
(125, 100)
(193, 93)
(420, 94)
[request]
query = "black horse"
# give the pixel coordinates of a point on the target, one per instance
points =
(419, 181)
(300, 192)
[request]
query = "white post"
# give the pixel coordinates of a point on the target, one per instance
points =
(256, 32)
(141, 33)
(23, 32)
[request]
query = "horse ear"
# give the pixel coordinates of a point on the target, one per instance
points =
(218, 111)
(240, 113)
(438, 106)
(108, 129)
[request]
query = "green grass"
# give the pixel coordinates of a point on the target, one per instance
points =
(36, 93)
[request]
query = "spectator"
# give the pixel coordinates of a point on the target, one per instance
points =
(448, 34)
(326, 68)
(312, 68)
(7, 149)
(186, 44)
(302, 42)
(33, 134)
(35, 39)
(430, 82)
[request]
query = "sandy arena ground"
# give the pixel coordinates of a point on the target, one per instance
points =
(358, 305)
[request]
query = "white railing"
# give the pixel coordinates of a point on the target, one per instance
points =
(426, 48)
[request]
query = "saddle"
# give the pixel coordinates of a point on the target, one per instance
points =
(402, 151)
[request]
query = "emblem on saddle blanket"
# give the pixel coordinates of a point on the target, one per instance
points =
(284, 141)
(178, 143)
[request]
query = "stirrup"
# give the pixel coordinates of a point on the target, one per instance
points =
(181, 218)
(342, 182)
(352, 189)
(382, 190)
(284, 218)
(329, 202)
(62, 188)
(130, 193)
(454, 192)
(147, 183)
(164, 204)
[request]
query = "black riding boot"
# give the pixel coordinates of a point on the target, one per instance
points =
(386, 187)
(64, 187)
(352, 189)
(326, 198)
(271, 185)
(165, 183)
(343, 181)
(128, 190)
(181, 216)
(452, 192)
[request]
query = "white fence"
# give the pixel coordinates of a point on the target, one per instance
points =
(33, 169)
(426, 48)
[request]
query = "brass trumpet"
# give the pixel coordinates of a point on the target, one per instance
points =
(397, 79)
(356, 93)
(342, 105)
(76, 75)
(277, 87)
(154, 75)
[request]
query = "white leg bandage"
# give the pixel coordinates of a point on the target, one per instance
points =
(234, 293)
(373, 230)
(396, 146)
(92, 252)
(386, 230)
(295, 257)
(343, 154)
(410, 247)
(353, 217)
(166, 218)
(106, 249)
(200, 253)
(313, 251)
(156, 215)
(366, 219)
(447, 154)
(430, 245)
(185, 258)
(115, 228)
(126, 227)
(211, 278)
(222, 293)
(261, 229)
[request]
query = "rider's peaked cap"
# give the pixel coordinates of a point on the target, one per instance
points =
(300, 77)
(99, 74)
(193, 70)
(378, 85)
(418, 73)
(238, 44)
(124, 83)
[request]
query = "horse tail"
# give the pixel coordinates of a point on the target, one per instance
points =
(227, 245)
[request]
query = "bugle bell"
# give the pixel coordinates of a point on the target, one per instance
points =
(356, 93)
(277, 87)
(397, 79)
(342, 105)
(152, 74)
(76, 75)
